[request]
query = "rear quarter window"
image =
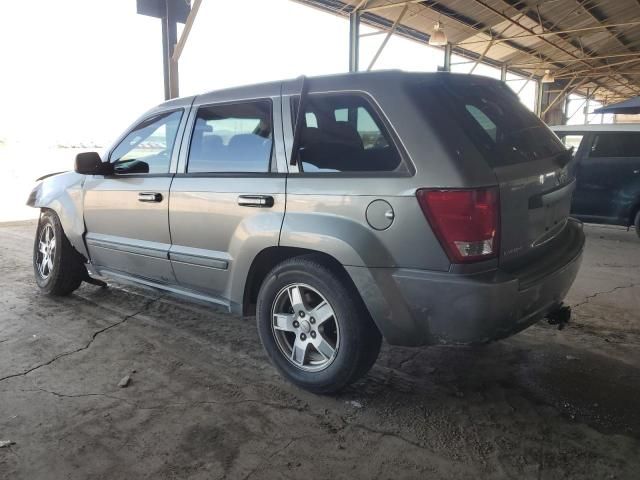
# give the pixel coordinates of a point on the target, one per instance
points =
(343, 133)
(503, 129)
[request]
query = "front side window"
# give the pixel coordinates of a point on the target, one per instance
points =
(342, 133)
(626, 144)
(148, 147)
(234, 137)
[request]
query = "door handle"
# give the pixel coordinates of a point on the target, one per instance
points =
(260, 201)
(150, 197)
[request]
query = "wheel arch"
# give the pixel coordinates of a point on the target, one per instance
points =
(63, 194)
(268, 258)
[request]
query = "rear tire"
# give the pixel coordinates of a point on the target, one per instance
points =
(322, 354)
(59, 269)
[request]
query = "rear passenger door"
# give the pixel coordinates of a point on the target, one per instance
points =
(608, 176)
(349, 193)
(227, 200)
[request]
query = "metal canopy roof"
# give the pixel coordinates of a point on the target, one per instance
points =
(591, 44)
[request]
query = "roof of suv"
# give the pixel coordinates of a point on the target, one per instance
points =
(606, 127)
(339, 80)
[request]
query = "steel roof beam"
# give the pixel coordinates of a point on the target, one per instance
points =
(473, 25)
(594, 12)
(546, 24)
(551, 33)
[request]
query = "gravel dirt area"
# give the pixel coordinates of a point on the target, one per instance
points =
(204, 403)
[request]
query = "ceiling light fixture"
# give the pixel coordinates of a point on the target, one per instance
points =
(548, 77)
(438, 38)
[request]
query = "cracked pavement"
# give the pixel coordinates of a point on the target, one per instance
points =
(203, 401)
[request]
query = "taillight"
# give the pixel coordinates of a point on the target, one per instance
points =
(466, 222)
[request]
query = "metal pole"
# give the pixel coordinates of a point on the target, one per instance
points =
(448, 49)
(586, 108)
(187, 29)
(354, 40)
(170, 68)
(166, 56)
(564, 91)
(538, 109)
(386, 39)
(503, 72)
(177, 48)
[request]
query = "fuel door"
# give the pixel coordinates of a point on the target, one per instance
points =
(380, 214)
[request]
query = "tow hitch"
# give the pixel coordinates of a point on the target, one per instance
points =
(560, 316)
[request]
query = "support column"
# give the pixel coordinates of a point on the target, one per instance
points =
(448, 50)
(169, 40)
(538, 109)
(586, 108)
(169, 12)
(354, 41)
(503, 72)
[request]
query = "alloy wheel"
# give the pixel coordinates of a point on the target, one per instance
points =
(46, 251)
(305, 327)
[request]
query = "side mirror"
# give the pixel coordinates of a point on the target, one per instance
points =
(89, 163)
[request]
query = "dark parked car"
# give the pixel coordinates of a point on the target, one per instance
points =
(607, 169)
(422, 208)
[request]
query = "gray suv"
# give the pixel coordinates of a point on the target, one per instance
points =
(422, 208)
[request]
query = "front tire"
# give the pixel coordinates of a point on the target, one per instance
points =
(313, 325)
(59, 269)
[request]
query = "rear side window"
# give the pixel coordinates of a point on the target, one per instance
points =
(343, 133)
(503, 129)
(625, 144)
(234, 137)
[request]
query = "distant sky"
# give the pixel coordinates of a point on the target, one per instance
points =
(81, 70)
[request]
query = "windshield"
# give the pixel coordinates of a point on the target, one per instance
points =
(497, 123)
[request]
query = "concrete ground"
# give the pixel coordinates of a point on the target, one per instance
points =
(204, 403)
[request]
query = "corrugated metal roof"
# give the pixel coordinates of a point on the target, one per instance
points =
(595, 42)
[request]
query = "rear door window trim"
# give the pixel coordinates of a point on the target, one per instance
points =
(188, 139)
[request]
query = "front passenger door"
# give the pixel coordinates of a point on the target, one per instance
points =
(126, 213)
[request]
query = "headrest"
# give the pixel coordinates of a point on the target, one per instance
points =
(201, 126)
(334, 133)
(244, 140)
(211, 141)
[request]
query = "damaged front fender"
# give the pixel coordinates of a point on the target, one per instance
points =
(63, 193)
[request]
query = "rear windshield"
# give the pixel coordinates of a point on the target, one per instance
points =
(503, 129)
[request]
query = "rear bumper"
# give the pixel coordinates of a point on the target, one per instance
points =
(417, 307)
